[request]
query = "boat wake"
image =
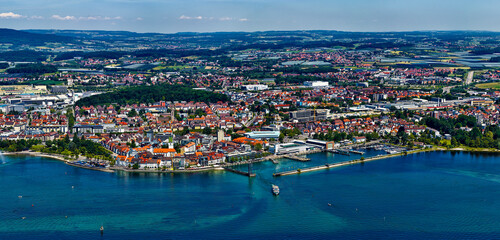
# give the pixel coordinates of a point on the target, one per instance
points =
(484, 176)
(2, 158)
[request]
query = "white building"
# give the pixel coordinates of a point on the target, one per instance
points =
(316, 84)
(255, 87)
(287, 148)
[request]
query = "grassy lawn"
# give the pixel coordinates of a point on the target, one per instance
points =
(493, 85)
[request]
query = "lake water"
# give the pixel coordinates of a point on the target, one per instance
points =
(438, 195)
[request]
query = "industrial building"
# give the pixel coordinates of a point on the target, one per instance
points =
(309, 115)
(263, 134)
(323, 144)
(22, 89)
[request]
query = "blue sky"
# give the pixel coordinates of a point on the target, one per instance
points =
(168, 16)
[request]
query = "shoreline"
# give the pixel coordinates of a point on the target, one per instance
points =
(36, 154)
(268, 158)
(115, 169)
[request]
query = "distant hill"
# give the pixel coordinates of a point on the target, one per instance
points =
(23, 56)
(98, 34)
(33, 39)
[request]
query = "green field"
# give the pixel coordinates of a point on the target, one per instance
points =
(172, 68)
(493, 85)
(45, 82)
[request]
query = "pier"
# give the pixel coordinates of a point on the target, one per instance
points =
(240, 172)
(340, 151)
(356, 152)
(248, 174)
(297, 158)
(345, 163)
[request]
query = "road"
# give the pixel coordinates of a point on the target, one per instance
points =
(470, 78)
(250, 121)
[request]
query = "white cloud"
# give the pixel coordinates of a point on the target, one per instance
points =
(96, 18)
(36, 17)
(184, 17)
(57, 17)
(10, 15)
(139, 19)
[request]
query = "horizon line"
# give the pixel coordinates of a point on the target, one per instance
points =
(258, 31)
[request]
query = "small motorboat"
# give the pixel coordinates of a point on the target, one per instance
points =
(276, 190)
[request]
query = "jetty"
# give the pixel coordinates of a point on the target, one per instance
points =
(356, 151)
(248, 174)
(297, 158)
(340, 151)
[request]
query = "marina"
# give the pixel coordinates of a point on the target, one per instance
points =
(344, 163)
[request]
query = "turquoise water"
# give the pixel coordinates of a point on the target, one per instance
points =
(437, 195)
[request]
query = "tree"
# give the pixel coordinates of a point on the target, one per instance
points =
(454, 142)
(207, 130)
(132, 113)
(258, 146)
(71, 119)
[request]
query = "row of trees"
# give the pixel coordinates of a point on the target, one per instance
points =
(339, 136)
(151, 94)
(18, 145)
(33, 69)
